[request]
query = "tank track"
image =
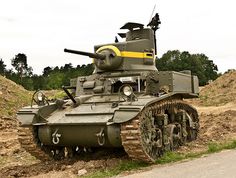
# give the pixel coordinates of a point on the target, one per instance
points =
(28, 139)
(131, 131)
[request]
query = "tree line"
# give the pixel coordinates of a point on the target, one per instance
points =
(51, 78)
(199, 64)
(55, 77)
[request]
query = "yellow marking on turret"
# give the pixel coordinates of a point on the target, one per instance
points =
(128, 54)
(113, 48)
(131, 54)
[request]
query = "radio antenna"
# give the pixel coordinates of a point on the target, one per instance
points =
(153, 10)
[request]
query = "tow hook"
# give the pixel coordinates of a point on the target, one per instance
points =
(101, 137)
(56, 137)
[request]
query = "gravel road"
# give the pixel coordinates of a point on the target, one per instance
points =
(216, 165)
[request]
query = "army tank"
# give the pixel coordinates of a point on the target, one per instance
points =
(126, 102)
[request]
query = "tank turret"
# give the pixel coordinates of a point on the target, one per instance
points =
(136, 53)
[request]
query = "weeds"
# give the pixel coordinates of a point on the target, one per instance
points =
(216, 147)
(123, 166)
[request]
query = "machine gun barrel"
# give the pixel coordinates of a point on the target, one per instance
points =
(91, 55)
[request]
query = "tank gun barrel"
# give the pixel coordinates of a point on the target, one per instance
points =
(91, 55)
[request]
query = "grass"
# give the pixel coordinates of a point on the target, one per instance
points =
(168, 157)
(56, 94)
(121, 167)
(214, 147)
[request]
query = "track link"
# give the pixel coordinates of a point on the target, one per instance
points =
(131, 133)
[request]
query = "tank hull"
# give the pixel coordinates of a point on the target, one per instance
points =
(145, 124)
(144, 127)
(81, 135)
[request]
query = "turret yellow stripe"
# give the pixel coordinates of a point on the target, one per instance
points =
(113, 48)
(131, 54)
(128, 54)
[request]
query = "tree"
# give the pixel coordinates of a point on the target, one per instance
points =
(55, 80)
(2, 67)
(198, 64)
(19, 62)
(47, 71)
(67, 67)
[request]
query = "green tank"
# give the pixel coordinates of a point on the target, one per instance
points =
(126, 102)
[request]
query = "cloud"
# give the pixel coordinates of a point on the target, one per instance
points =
(7, 19)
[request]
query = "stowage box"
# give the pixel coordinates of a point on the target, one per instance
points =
(178, 81)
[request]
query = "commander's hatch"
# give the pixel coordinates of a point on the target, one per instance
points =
(130, 26)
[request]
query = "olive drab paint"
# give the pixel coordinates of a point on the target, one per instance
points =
(125, 98)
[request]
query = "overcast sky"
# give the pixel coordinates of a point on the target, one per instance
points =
(43, 28)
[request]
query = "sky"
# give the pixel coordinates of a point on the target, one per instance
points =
(41, 29)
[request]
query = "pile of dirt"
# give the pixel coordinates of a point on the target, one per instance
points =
(221, 91)
(218, 126)
(12, 97)
(217, 109)
(8, 136)
(217, 123)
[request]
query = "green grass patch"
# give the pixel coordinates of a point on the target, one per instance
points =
(57, 94)
(121, 167)
(216, 147)
(168, 157)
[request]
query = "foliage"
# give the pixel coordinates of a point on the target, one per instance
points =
(198, 64)
(216, 147)
(2, 67)
(19, 62)
(52, 77)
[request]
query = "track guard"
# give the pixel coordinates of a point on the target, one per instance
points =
(125, 114)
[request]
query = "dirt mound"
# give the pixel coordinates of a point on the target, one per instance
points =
(12, 97)
(220, 91)
(217, 124)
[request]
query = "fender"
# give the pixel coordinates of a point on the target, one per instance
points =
(125, 114)
(28, 116)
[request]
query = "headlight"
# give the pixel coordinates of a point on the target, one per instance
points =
(40, 97)
(127, 90)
